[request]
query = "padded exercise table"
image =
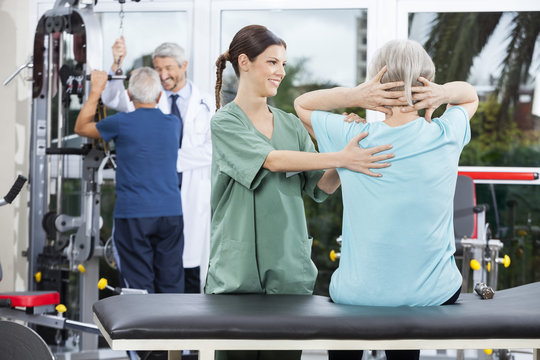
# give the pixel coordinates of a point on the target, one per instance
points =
(207, 323)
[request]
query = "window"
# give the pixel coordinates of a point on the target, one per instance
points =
(143, 32)
(322, 48)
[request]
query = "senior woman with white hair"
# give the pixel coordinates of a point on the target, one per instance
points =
(398, 240)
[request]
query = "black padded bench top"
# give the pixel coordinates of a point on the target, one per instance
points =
(511, 314)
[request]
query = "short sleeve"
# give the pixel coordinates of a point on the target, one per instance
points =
(108, 127)
(456, 125)
(332, 132)
(239, 152)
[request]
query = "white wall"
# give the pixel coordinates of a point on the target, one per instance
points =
(15, 114)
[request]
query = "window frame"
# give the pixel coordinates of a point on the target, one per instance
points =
(371, 7)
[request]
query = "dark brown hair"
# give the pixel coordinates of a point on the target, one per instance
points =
(251, 40)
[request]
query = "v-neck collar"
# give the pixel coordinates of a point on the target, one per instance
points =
(247, 119)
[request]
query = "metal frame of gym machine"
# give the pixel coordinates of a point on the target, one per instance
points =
(61, 253)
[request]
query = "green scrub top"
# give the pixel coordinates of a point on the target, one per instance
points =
(259, 240)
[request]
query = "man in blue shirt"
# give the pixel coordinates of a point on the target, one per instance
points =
(148, 227)
(194, 107)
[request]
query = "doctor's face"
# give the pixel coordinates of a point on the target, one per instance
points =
(172, 75)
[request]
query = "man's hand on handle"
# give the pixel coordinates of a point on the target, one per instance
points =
(98, 81)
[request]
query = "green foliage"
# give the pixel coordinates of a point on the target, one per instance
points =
(324, 225)
(490, 140)
(495, 143)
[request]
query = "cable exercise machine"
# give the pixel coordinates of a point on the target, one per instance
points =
(64, 250)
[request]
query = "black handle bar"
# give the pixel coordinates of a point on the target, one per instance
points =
(15, 189)
(111, 77)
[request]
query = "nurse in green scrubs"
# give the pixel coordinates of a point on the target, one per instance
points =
(263, 161)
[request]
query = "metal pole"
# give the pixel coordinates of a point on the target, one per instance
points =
(466, 268)
(50, 78)
(479, 253)
(60, 135)
(88, 293)
(38, 166)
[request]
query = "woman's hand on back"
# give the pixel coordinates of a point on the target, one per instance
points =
(362, 160)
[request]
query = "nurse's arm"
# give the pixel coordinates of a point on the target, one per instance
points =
(352, 157)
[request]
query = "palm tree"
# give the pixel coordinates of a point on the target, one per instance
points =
(457, 38)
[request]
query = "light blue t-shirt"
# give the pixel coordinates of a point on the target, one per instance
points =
(398, 235)
(146, 152)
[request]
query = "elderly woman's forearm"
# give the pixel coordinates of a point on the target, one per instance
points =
(326, 99)
(460, 92)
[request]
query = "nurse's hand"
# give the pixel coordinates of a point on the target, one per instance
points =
(362, 160)
(353, 117)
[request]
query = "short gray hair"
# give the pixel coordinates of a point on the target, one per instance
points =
(406, 61)
(171, 50)
(144, 85)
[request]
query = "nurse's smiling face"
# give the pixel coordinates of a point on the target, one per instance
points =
(267, 70)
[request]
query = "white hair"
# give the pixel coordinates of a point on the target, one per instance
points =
(144, 85)
(171, 50)
(406, 60)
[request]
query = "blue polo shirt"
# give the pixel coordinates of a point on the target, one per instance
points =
(146, 151)
(398, 236)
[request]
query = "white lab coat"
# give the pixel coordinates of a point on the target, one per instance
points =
(194, 162)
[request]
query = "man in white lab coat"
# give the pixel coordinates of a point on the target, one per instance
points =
(182, 98)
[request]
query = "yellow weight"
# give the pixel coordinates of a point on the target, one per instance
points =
(102, 283)
(522, 232)
(506, 261)
(333, 255)
(81, 268)
(37, 276)
(474, 264)
(488, 351)
(488, 267)
(61, 308)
